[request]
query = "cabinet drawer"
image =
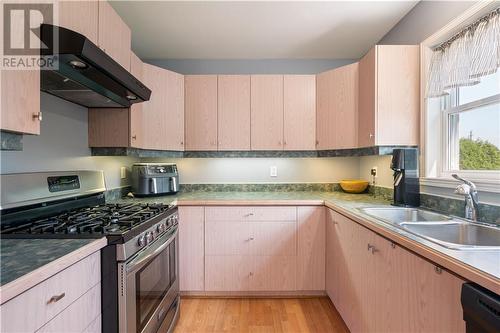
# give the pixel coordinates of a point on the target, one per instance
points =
(79, 315)
(251, 213)
(72, 283)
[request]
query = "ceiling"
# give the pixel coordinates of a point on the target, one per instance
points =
(258, 29)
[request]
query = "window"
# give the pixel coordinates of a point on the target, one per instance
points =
(471, 127)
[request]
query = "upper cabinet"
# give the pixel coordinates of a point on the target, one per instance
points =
(299, 112)
(389, 96)
(136, 110)
(155, 124)
(267, 112)
(233, 112)
(114, 35)
(200, 112)
(337, 108)
(20, 101)
(82, 17)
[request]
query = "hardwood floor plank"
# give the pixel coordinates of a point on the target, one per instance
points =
(259, 315)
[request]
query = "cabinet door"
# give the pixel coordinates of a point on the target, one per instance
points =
(80, 16)
(325, 117)
(299, 112)
(266, 112)
(192, 248)
(398, 95)
(233, 112)
(201, 112)
(311, 248)
(174, 110)
(272, 238)
(367, 95)
(155, 117)
(272, 273)
(136, 110)
(225, 238)
(114, 35)
(20, 101)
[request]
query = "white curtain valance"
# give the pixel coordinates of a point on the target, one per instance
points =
(466, 57)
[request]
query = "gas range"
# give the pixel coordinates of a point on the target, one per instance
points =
(142, 241)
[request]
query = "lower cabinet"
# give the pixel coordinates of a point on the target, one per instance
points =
(251, 248)
(69, 301)
(378, 286)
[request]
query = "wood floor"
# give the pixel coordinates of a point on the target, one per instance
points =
(205, 315)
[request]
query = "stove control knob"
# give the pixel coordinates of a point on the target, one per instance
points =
(160, 228)
(141, 241)
(149, 237)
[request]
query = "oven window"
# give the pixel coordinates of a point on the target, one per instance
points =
(152, 283)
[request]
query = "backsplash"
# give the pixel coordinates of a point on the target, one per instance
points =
(487, 213)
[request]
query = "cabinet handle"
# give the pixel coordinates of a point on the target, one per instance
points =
(37, 116)
(250, 274)
(248, 215)
(393, 245)
(56, 298)
(250, 239)
(371, 135)
(372, 248)
(279, 143)
(284, 143)
(317, 142)
(182, 143)
(134, 137)
(438, 269)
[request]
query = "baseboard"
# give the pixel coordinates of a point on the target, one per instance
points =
(254, 294)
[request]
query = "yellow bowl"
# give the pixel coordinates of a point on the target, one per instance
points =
(354, 185)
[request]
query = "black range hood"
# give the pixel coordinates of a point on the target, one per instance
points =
(80, 72)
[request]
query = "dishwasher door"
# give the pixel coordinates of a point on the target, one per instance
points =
(481, 309)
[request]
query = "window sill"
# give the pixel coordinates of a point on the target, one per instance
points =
(492, 186)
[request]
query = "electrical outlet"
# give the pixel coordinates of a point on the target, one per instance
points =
(273, 171)
(374, 171)
(123, 172)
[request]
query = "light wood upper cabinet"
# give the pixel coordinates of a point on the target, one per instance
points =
(233, 112)
(136, 110)
(20, 101)
(266, 112)
(114, 35)
(80, 16)
(299, 123)
(200, 112)
(163, 114)
(337, 108)
(389, 96)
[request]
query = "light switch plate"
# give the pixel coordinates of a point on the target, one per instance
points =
(273, 171)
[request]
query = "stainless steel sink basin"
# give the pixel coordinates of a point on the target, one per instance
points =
(398, 215)
(453, 233)
(457, 234)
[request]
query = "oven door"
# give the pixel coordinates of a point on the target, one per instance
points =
(149, 289)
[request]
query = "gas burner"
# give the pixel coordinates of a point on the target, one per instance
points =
(101, 219)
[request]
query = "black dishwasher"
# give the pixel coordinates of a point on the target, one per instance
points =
(481, 309)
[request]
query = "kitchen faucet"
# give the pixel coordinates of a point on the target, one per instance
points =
(468, 189)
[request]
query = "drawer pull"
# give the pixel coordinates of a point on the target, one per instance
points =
(56, 298)
(248, 215)
(250, 239)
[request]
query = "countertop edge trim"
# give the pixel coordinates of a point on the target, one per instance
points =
(31, 279)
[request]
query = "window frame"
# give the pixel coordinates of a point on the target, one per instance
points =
(434, 177)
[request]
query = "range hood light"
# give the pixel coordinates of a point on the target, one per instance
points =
(131, 97)
(78, 64)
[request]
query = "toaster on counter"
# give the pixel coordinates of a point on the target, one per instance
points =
(154, 179)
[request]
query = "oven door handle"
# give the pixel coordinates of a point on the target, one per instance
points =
(144, 257)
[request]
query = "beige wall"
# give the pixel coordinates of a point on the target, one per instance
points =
(256, 170)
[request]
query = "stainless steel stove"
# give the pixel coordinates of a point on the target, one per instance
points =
(140, 286)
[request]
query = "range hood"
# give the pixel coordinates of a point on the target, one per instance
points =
(82, 73)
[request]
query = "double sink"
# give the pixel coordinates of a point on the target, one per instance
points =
(451, 232)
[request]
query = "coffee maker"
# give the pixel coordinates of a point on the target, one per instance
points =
(406, 184)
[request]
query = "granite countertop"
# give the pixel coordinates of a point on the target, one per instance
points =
(480, 266)
(27, 262)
